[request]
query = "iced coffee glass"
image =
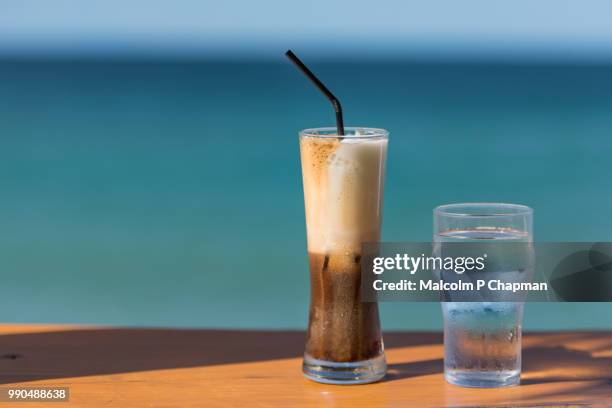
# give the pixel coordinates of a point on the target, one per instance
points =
(343, 189)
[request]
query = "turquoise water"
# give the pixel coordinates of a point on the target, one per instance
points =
(170, 193)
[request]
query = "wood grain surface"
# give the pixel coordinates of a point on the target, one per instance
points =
(118, 367)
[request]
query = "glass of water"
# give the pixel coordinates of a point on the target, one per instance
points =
(482, 340)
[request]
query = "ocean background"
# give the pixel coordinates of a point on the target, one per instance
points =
(169, 193)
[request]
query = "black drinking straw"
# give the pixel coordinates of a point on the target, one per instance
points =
(334, 101)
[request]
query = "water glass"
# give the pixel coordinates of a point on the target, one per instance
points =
(482, 340)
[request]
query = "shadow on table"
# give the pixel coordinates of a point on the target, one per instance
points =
(558, 363)
(97, 351)
(414, 369)
(551, 358)
(398, 371)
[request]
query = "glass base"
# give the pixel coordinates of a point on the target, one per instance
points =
(356, 372)
(483, 379)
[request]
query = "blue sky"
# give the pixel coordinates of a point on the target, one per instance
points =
(536, 28)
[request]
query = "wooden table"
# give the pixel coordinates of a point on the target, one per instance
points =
(108, 367)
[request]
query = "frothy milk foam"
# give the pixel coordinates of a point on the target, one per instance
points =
(343, 181)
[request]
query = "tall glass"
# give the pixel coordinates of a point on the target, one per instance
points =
(343, 189)
(482, 340)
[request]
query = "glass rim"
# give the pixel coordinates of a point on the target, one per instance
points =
(352, 132)
(459, 210)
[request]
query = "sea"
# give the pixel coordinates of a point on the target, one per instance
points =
(168, 193)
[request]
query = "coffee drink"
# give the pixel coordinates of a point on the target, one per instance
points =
(343, 188)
